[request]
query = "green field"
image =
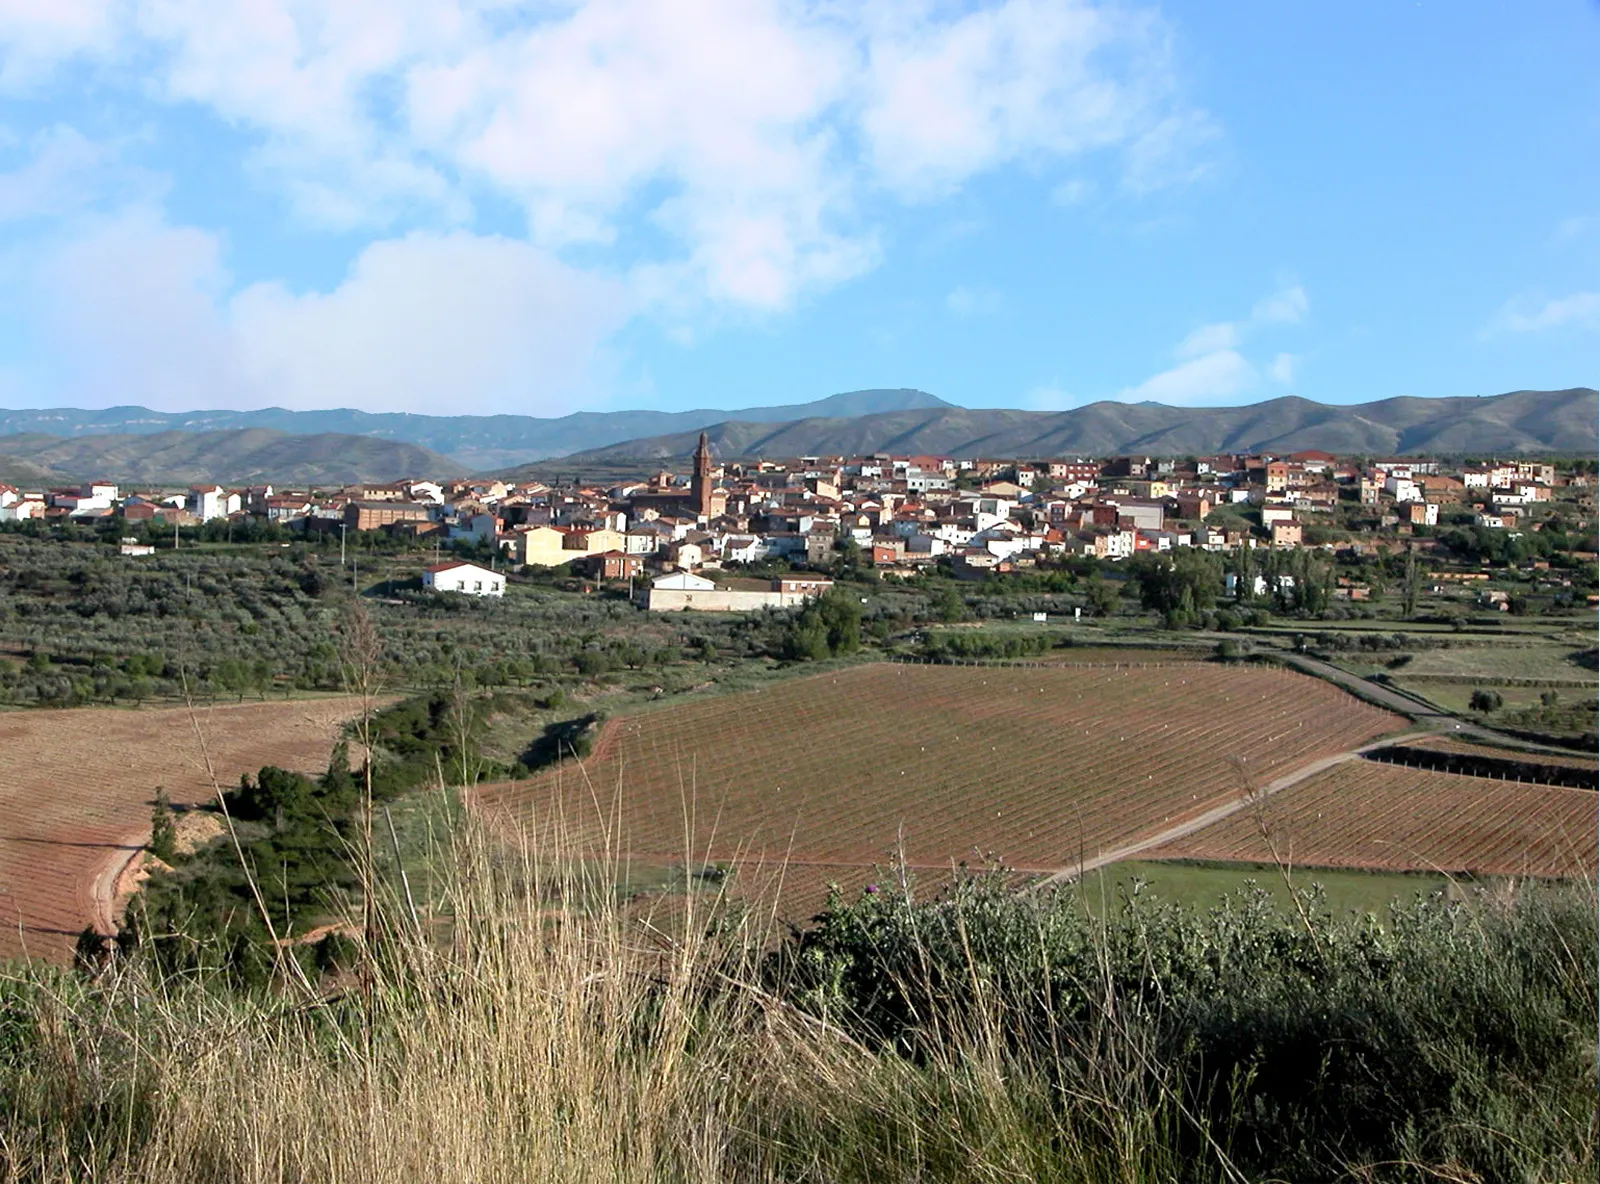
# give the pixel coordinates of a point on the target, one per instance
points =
(1205, 884)
(1506, 659)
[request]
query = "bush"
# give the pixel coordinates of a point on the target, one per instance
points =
(1485, 701)
(1307, 1044)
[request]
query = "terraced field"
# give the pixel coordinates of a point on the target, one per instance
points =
(76, 788)
(1362, 814)
(1033, 766)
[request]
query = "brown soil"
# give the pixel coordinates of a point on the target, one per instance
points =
(76, 789)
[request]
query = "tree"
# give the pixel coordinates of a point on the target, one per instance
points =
(1178, 584)
(827, 626)
(1102, 595)
(1412, 586)
(1485, 701)
(163, 833)
(950, 605)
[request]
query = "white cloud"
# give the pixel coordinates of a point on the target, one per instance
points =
(1212, 378)
(1211, 367)
(37, 35)
(725, 157)
(1288, 307)
(59, 176)
(1577, 226)
(969, 301)
(1073, 192)
(1170, 153)
(1209, 339)
(753, 130)
(133, 309)
(1530, 315)
(428, 323)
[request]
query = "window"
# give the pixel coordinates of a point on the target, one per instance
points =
(477, 585)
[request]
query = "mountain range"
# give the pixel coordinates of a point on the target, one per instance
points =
(1518, 422)
(477, 443)
(915, 423)
(246, 456)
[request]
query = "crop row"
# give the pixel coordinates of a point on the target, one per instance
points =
(1033, 767)
(1368, 815)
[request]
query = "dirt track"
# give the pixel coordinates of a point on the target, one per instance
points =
(76, 788)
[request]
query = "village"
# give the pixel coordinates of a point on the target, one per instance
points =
(681, 542)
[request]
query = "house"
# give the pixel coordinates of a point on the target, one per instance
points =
(373, 515)
(466, 578)
(595, 541)
(614, 565)
(1287, 534)
(22, 509)
(134, 548)
(542, 546)
(1421, 513)
(683, 591)
(207, 502)
(287, 507)
(686, 555)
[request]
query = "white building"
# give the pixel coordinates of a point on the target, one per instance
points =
(466, 578)
(207, 502)
(22, 509)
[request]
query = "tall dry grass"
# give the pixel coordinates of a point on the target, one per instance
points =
(547, 1032)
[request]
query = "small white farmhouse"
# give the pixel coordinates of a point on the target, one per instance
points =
(468, 578)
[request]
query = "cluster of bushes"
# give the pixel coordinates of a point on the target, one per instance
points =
(289, 858)
(946, 646)
(1301, 1044)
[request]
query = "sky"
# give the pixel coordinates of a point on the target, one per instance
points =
(542, 206)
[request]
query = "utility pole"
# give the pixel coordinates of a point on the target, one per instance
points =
(174, 532)
(341, 544)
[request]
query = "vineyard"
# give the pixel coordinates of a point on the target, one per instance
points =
(76, 789)
(1572, 760)
(1034, 767)
(1362, 814)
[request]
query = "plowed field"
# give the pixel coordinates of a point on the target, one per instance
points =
(1033, 766)
(76, 788)
(1369, 815)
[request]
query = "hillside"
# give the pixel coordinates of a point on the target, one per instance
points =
(245, 456)
(1518, 422)
(478, 442)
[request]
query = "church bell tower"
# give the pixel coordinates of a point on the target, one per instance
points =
(700, 485)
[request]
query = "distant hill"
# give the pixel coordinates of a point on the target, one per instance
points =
(478, 442)
(1519, 422)
(248, 456)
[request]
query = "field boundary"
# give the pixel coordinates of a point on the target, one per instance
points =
(1491, 768)
(1496, 680)
(1217, 813)
(1035, 664)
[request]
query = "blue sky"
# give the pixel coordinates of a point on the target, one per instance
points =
(453, 206)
